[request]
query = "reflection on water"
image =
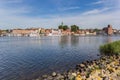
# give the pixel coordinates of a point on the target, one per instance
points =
(24, 58)
(64, 40)
(68, 40)
(109, 39)
(74, 41)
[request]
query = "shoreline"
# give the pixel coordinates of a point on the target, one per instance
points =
(104, 68)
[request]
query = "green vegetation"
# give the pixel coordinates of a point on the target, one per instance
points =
(0, 32)
(74, 28)
(111, 48)
(96, 30)
(64, 27)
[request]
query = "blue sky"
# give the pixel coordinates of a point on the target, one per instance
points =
(50, 13)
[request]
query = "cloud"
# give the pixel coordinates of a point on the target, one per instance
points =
(14, 12)
(69, 8)
(88, 21)
(98, 2)
(7, 8)
(95, 21)
(96, 18)
(108, 3)
(11, 1)
(95, 11)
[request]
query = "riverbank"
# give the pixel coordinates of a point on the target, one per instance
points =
(105, 68)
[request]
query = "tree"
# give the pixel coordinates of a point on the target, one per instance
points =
(60, 27)
(96, 30)
(64, 27)
(7, 31)
(0, 32)
(74, 28)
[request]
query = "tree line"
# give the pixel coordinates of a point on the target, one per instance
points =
(74, 28)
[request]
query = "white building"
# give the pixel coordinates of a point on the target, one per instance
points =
(55, 32)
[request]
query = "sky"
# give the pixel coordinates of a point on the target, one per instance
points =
(50, 13)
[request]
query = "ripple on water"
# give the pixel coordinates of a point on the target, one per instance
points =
(24, 58)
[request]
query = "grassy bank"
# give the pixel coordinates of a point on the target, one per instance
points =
(111, 48)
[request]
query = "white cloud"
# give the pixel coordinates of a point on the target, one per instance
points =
(17, 11)
(11, 1)
(98, 2)
(88, 21)
(95, 11)
(95, 18)
(69, 8)
(6, 7)
(108, 3)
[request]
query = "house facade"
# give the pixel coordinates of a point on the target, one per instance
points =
(108, 30)
(25, 32)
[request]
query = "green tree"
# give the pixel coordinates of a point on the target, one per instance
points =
(7, 31)
(64, 27)
(96, 30)
(60, 27)
(74, 28)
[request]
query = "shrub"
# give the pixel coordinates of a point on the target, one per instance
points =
(111, 48)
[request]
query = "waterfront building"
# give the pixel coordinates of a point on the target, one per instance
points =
(25, 32)
(3, 33)
(82, 32)
(56, 32)
(41, 31)
(115, 31)
(119, 31)
(108, 30)
(47, 32)
(53, 32)
(66, 32)
(87, 32)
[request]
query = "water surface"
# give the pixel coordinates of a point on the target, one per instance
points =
(24, 58)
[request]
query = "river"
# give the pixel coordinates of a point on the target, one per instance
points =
(25, 58)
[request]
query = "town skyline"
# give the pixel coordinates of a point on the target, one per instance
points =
(49, 13)
(62, 30)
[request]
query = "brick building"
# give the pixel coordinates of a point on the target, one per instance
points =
(108, 30)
